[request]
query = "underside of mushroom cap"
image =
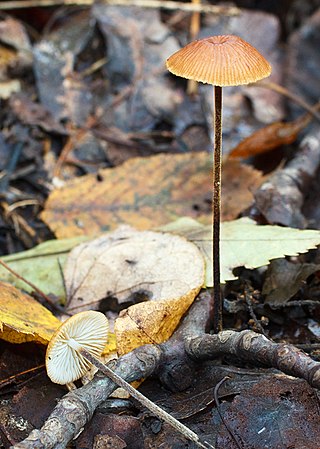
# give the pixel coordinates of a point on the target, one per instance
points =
(88, 330)
(219, 60)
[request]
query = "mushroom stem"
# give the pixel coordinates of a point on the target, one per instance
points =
(216, 207)
(144, 400)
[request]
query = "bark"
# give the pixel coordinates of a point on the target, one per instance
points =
(249, 346)
(281, 197)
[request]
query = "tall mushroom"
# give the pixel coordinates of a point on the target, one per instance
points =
(76, 346)
(221, 61)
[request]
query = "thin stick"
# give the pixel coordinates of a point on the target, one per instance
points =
(35, 288)
(192, 87)
(292, 96)
(172, 5)
(216, 207)
(216, 399)
(144, 400)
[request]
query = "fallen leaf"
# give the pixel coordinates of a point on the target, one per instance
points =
(278, 402)
(270, 137)
(239, 181)
(301, 76)
(164, 271)
(34, 114)
(41, 266)
(23, 319)
(148, 192)
(9, 87)
(108, 430)
(284, 279)
(61, 91)
(244, 243)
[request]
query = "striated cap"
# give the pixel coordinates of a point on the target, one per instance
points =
(87, 330)
(219, 60)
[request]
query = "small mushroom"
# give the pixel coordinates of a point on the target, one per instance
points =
(86, 330)
(75, 347)
(221, 61)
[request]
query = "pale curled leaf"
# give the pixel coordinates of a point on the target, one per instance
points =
(244, 243)
(163, 270)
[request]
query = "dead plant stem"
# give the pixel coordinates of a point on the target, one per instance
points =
(172, 5)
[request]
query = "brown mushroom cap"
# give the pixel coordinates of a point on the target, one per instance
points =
(219, 60)
(88, 330)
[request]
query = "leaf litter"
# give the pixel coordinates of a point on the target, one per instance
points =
(76, 102)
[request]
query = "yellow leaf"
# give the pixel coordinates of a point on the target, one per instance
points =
(151, 322)
(23, 319)
(148, 192)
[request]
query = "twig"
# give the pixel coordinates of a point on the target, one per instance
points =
(213, 9)
(296, 98)
(193, 86)
(93, 68)
(281, 197)
(159, 412)
(216, 399)
(21, 227)
(67, 148)
(256, 348)
(247, 297)
(16, 377)
(23, 203)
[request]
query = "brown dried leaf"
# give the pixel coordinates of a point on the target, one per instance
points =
(270, 137)
(148, 192)
(34, 114)
(284, 279)
(239, 181)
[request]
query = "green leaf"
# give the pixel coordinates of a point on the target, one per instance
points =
(40, 266)
(244, 243)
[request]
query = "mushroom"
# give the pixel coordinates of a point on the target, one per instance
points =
(221, 61)
(75, 347)
(85, 331)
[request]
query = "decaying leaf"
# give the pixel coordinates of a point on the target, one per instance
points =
(244, 243)
(239, 181)
(284, 279)
(270, 137)
(164, 271)
(23, 319)
(148, 192)
(40, 266)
